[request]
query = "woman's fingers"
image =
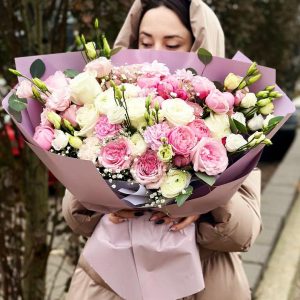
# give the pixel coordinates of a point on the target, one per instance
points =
(116, 219)
(184, 223)
(129, 214)
(157, 215)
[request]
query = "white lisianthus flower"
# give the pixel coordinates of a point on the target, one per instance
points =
(60, 141)
(232, 81)
(174, 183)
(256, 122)
(239, 117)
(90, 149)
(105, 101)
(268, 109)
(116, 115)
(177, 112)
(136, 111)
(234, 142)
(131, 90)
(86, 117)
(84, 88)
(249, 100)
(218, 125)
(267, 120)
(138, 145)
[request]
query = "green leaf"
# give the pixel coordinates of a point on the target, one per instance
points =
(180, 199)
(192, 70)
(232, 126)
(16, 114)
(37, 68)
(241, 127)
(274, 121)
(17, 104)
(70, 73)
(115, 51)
(204, 56)
(210, 180)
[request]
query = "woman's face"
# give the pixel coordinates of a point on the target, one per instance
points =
(161, 29)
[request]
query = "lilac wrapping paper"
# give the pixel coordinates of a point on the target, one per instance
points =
(136, 256)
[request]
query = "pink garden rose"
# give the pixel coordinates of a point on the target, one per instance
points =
(200, 129)
(210, 156)
(164, 89)
(44, 136)
(182, 94)
(148, 170)
(70, 114)
(202, 86)
(154, 134)
(57, 81)
(230, 99)
(148, 81)
(104, 129)
(24, 89)
(59, 99)
(116, 155)
(100, 65)
(182, 139)
(182, 161)
(218, 102)
(239, 96)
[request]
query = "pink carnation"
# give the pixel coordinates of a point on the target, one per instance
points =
(202, 86)
(148, 170)
(164, 89)
(200, 129)
(210, 156)
(116, 155)
(104, 129)
(182, 139)
(44, 136)
(154, 134)
(24, 89)
(102, 66)
(148, 81)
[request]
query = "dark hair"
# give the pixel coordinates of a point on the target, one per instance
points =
(180, 7)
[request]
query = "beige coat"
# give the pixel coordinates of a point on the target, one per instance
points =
(221, 234)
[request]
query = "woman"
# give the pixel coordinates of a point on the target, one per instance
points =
(222, 233)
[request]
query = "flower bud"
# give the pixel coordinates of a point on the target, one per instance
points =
(54, 118)
(68, 125)
(264, 102)
(252, 69)
(268, 142)
(40, 84)
(262, 94)
(106, 47)
(96, 24)
(270, 88)
(90, 50)
(275, 94)
(15, 72)
(157, 106)
(148, 102)
(75, 142)
(232, 81)
(268, 109)
(83, 39)
(36, 93)
(254, 79)
(165, 153)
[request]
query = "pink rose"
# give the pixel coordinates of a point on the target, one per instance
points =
(148, 81)
(217, 102)
(148, 170)
(57, 81)
(239, 96)
(230, 99)
(181, 93)
(101, 65)
(44, 136)
(210, 156)
(115, 155)
(154, 134)
(24, 89)
(182, 139)
(202, 86)
(181, 161)
(198, 110)
(104, 129)
(59, 99)
(164, 89)
(200, 129)
(44, 117)
(70, 114)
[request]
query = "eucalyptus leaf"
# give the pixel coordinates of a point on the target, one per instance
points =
(232, 126)
(204, 56)
(16, 114)
(241, 127)
(70, 73)
(16, 103)
(180, 199)
(210, 180)
(115, 51)
(37, 68)
(192, 70)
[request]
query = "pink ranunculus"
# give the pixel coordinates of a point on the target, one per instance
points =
(116, 155)
(24, 89)
(182, 161)
(57, 81)
(148, 81)
(210, 156)
(182, 94)
(217, 102)
(148, 170)
(164, 89)
(198, 110)
(202, 86)
(154, 134)
(44, 136)
(59, 99)
(182, 139)
(70, 114)
(239, 96)
(158, 100)
(104, 129)
(230, 99)
(101, 65)
(200, 129)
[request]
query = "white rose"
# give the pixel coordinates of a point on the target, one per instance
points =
(105, 101)
(136, 111)
(116, 115)
(267, 120)
(84, 88)
(240, 118)
(256, 122)
(234, 142)
(218, 125)
(86, 117)
(177, 112)
(60, 141)
(232, 81)
(249, 100)
(137, 144)
(132, 91)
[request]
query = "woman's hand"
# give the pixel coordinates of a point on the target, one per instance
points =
(123, 215)
(178, 223)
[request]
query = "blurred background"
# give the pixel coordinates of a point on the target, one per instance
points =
(37, 251)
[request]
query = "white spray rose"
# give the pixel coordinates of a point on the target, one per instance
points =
(249, 100)
(116, 115)
(84, 88)
(105, 101)
(137, 145)
(86, 117)
(256, 122)
(177, 112)
(218, 125)
(232, 81)
(234, 142)
(60, 141)
(239, 117)
(136, 111)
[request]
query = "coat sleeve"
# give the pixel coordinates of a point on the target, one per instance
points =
(81, 220)
(234, 226)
